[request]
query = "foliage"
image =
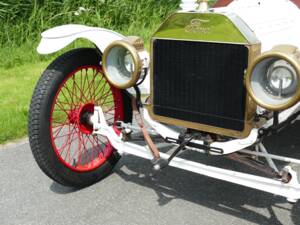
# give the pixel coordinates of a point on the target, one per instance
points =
(24, 20)
(16, 88)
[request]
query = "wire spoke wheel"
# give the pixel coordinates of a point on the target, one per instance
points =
(60, 129)
(73, 105)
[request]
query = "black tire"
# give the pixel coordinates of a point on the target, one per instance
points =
(39, 120)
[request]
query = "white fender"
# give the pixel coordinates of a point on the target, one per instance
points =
(59, 37)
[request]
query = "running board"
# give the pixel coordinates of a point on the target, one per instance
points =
(290, 190)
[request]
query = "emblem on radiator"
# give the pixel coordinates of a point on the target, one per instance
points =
(196, 27)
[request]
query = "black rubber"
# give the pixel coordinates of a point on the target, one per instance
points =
(39, 125)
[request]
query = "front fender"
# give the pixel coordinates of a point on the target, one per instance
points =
(59, 37)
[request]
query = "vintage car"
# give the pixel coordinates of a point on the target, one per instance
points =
(216, 81)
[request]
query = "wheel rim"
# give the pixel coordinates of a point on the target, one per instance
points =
(73, 104)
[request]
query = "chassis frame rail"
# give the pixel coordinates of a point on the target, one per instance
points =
(290, 190)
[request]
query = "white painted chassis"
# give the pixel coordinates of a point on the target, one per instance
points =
(274, 22)
(289, 190)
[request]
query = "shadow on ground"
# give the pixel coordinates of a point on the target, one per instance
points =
(235, 200)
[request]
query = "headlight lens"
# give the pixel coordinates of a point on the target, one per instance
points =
(273, 80)
(129, 62)
(282, 79)
(122, 64)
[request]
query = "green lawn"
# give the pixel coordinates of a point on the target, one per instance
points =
(16, 87)
(22, 21)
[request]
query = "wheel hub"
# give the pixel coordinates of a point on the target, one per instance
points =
(81, 116)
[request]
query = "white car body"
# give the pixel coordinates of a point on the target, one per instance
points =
(273, 22)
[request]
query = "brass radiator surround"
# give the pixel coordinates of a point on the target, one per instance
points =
(254, 51)
(208, 28)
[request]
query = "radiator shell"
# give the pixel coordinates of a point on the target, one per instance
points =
(197, 74)
(188, 86)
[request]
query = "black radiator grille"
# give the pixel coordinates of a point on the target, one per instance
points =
(200, 82)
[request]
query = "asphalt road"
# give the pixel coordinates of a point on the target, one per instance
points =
(130, 196)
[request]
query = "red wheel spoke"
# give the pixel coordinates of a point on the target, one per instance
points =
(84, 83)
(74, 94)
(57, 132)
(100, 91)
(72, 139)
(62, 108)
(59, 118)
(74, 90)
(64, 135)
(92, 84)
(98, 85)
(62, 148)
(79, 151)
(60, 124)
(106, 103)
(86, 153)
(82, 95)
(102, 142)
(62, 92)
(93, 147)
(110, 109)
(103, 97)
(89, 91)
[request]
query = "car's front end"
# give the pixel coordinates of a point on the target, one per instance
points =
(216, 86)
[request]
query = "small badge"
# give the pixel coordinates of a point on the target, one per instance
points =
(196, 27)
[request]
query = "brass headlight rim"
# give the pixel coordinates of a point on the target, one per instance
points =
(249, 75)
(137, 63)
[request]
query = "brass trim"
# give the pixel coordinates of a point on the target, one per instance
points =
(204, 41)
(241, 26)
(133, 45)
(254, 51)
(286, 52)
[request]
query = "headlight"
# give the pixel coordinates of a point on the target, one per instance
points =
(123, 62)
(282, 79)
(129, 63)
(273, 79)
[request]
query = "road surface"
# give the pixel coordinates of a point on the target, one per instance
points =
(130, 196)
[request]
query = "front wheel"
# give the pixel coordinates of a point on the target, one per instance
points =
(60, 134)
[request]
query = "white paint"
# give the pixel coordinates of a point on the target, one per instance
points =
(284, 115)
(237, 144)
(188, 5)
(161, 129)
(59, 37)
(290, 191)
(229, 146)
(273, 21)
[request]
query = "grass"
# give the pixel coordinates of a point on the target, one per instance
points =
(22, 21)
(16, 88)
(20, 69)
